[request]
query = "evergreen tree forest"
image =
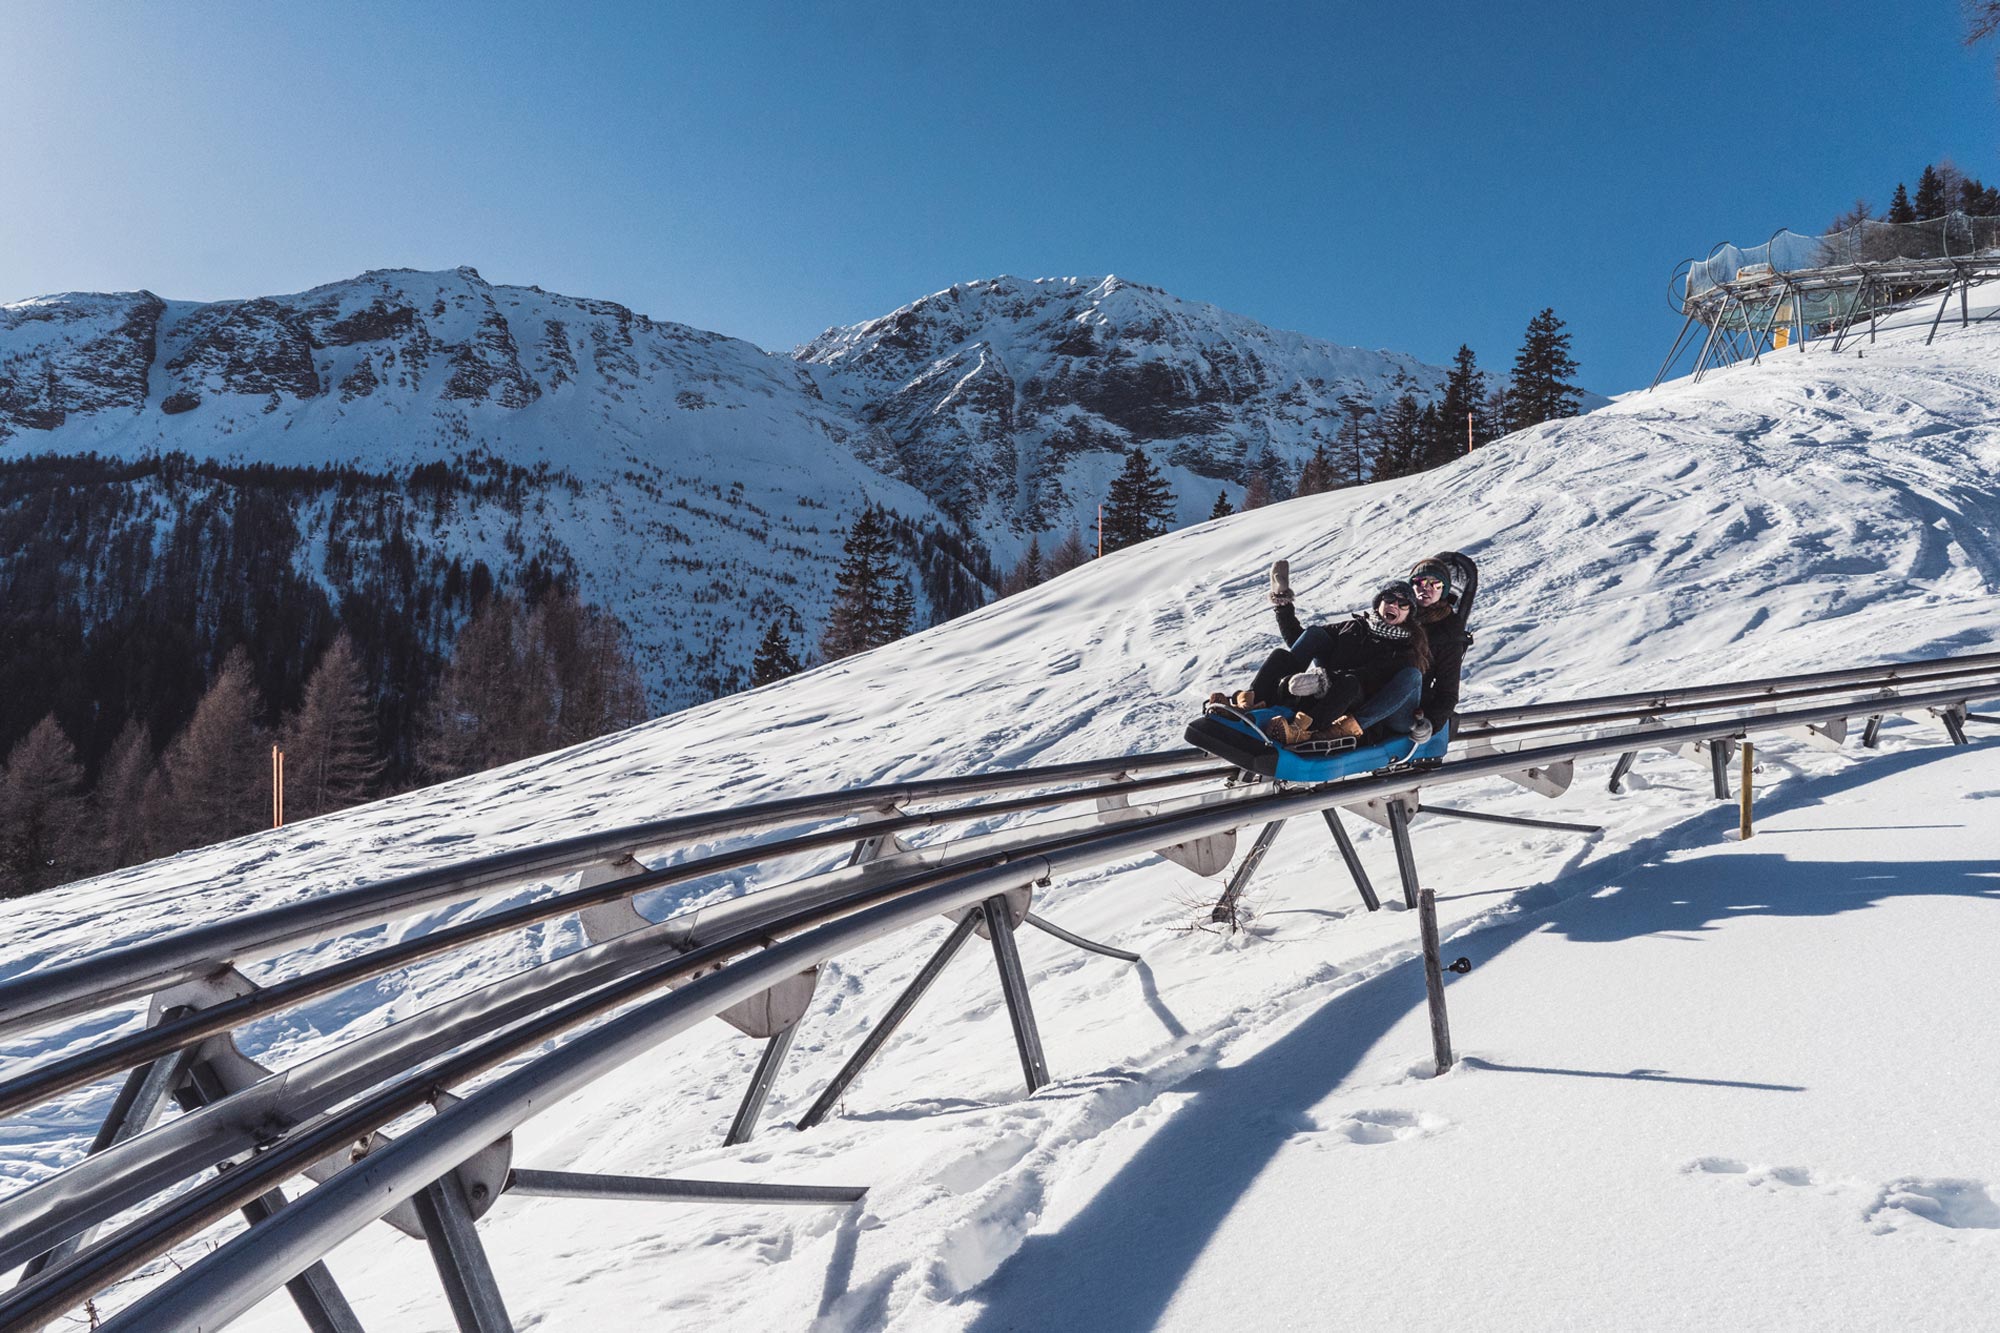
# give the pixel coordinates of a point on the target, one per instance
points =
(159, 640)
(1941, 189)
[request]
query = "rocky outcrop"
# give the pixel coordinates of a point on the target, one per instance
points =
(260, 348)
(65, 356)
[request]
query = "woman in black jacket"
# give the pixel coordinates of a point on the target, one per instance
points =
(1350, 675)
(1444, 585)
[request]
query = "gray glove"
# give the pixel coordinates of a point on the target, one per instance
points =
(1307, 684)
(1421, 730)
(1281, 583)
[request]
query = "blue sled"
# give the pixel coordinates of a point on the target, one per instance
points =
(1239, 738)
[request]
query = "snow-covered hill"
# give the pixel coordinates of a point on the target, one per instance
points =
(1715, 1087)
(1010, 401)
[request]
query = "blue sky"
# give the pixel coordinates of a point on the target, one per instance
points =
(1410, 176)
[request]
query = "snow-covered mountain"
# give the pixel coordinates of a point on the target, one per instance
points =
(1751, 1055)
(693, 483)
(1010, 402)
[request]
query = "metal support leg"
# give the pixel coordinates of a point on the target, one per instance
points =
(1871, 735)
(1225, 907)
(768, 1064)
(578, 1185)
(1954, 724)
(314, 1291)
(1427, 926)
(460, 1257)
(1014, 985)
(1406, 861)
(1939, 317)
(1455, 813)
(1071, 937)
(1718, 766)
(132, 1112)
(320, 1301)
(1352, 857)
(892, 1020)
(1620, 769)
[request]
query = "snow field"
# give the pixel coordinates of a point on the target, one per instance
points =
(1240, 1128)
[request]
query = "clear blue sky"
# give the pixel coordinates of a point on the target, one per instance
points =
(1407, 175)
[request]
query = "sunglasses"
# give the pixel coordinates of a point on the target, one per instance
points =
(1396, 601)
(1427, 581)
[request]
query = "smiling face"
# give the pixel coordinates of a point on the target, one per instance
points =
(1428, 588)
(1394, 610)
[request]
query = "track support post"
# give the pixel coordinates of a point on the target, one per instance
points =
(1352, 858)
(1406, 861)
(892, 1020)
(1871, 735)
(1718, 766)
(1743, 789)
(1427, 926)
(1014, 987)
(1620, 769)
(759, 1091)
(461, 1259)
(1225, 907)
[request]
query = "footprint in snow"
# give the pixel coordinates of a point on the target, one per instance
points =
(1373, 1126)
(1768, 1176)
(1952, 1203)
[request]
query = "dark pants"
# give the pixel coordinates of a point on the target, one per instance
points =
(1394, 705)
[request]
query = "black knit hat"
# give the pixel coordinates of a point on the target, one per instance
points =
(1434, 568)
(1394, 588)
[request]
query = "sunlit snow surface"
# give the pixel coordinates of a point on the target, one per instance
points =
(1705, 1083)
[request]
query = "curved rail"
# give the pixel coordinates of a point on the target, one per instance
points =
(714, 959)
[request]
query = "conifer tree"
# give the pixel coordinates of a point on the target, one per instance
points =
(1355, 443)
(774, 660)
(1069, 554)
(1319, 474)
(1140, 505)
(1027, 573)
(1930, 201)
(901, 616)
(218, 768)
(859, 617)
(1222, 508)
(1399, 439)
(1899, 206)
(330, 756)
(127, 813)
(1542, 389)
(1463, 400)
(42, 838)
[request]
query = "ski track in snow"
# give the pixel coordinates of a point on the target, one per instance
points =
(1259, 1104)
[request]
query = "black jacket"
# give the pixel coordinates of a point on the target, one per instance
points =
(1449, 638)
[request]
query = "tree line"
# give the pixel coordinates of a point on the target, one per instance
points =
(523, 677)
(1941, 189)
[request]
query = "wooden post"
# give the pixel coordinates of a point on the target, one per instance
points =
(1744, 785)
(1468, 432)
(1427, 924)
(277, 787)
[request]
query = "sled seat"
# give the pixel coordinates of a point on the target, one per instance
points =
(1240, 737)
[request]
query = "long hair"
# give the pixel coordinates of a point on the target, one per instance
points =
(1420, 642)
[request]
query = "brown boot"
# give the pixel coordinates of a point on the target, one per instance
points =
(1295, 730)
(1340, 726)
(1245, 700)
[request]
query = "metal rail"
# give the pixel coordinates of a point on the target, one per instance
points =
(743, 954)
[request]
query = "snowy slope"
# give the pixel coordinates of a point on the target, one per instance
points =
(1235, 1129)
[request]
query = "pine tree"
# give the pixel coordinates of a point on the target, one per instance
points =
(491, 689)
(329, 743)
(1222, 507)
(1354, 439)
(1070, 553)
(901, 617)
(1319, 474)
(218, 769)
(1971, 196)
(774, 661)
(126, 816)
(1930, 201)
(1463, 400)
(1027, 573)
(1541, 389)
(1398, 439)
(1899, 206)
(1140, 506)
(858, 618)
(42, 838)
